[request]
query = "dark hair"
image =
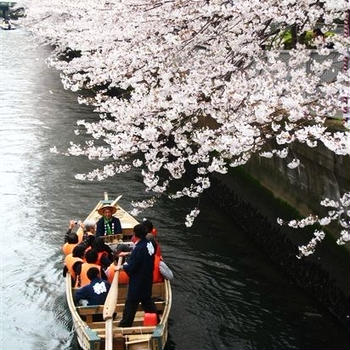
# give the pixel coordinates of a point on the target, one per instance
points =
(99, 244)
(79, 251)
(91, 256)
(72, 238)
(89, 240)
(140, 231)
(92, 273)
(148, 225)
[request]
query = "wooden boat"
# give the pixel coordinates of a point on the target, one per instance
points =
(87, 320)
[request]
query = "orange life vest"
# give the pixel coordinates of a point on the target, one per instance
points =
(157, 276)
(83, 279)
(123, 277)
(69, 262)
(67, 248)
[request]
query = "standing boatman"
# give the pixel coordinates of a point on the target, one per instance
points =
(140, 270)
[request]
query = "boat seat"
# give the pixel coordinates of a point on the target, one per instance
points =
(94, 313)
(98, 309)
(138, 321)
(158, 292)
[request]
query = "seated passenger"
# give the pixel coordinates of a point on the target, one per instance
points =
(71, 225)
(72, 241)
(73, 261)
(108, 224)
(91, 261)
(88, 229)
(104, 252)
(96, 291)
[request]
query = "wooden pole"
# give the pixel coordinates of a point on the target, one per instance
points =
(116, 200)
(109, 308)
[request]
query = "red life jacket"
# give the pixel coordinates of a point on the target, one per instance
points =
(158, 252)
(67, 248)
(69, 262)
(157, 276)
(83, 279)
(154, 232)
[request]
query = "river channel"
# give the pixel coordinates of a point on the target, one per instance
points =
(226, 294)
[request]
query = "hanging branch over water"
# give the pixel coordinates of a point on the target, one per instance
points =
(201, 84)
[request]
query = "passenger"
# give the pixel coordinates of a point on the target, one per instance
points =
(108, 224)
(71, 226)
(96, 291)
(91, 261)
(88, 229)
(104, 252)
(139, 268)
(151, 235)
(72, 241)
(73, 261)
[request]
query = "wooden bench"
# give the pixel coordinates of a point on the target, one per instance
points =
(87, 312)
(158, 292)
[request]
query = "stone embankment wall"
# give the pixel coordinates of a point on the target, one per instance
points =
(321, 174)
(255, 209)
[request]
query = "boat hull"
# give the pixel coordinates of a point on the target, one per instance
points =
(88, 322)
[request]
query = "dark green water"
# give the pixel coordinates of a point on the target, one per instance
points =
(226, 294)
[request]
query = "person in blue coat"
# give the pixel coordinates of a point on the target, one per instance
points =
(95, 292)
(108, 224)
(140, 270)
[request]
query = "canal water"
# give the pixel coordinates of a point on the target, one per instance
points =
(227, 295)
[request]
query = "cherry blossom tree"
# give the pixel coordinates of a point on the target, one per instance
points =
(197, 84)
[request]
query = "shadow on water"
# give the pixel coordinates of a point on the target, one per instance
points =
(226, 295)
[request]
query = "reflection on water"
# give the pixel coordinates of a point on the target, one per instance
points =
(226, 295)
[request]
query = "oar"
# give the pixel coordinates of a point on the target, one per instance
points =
(116, 200)
(109, 308)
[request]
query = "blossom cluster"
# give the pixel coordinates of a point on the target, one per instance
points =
(195, 84)
(339, 212)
